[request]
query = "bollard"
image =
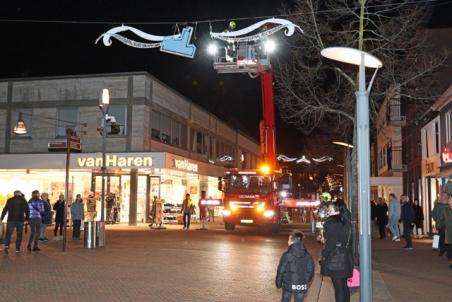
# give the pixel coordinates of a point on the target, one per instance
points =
(89, 235)
(100, 234)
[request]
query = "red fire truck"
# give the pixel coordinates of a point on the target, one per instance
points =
(252, 197)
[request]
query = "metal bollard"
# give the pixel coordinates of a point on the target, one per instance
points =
(89, 236)
(100, 234)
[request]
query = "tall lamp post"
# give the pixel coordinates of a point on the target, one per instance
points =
(103, 105)
(363, 59)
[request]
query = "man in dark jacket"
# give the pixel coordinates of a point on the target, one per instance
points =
(407, 217)
(295, 269)
(18, 211)
(381, 213)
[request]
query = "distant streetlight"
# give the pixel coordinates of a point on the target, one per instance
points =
(212, 49)
(362, 59)
(343, 144)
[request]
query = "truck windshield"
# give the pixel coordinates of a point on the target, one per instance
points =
(253, 184)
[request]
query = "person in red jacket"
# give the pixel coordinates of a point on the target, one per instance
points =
(203, 210)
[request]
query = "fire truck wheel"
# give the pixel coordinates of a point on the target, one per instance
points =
(229, 226)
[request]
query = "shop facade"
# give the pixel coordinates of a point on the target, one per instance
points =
(134, 178)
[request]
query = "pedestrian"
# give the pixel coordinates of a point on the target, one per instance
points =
(295, 269)
(418, 219)
(445, 223)
(17, 209)
(337, 256)
(77, 214)
(381, 214)
(46, 218)
(110, 201)
(91, 207)
(36, 206)
(202, 204)
(394, 216)
(373, 216)
(407, 217)
(58, 207)
(437, 212)
(211, 211)
(187, 210)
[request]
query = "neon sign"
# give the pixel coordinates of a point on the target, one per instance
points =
(115, 161)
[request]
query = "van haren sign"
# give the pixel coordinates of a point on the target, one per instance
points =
(115, 161)
(186, 165)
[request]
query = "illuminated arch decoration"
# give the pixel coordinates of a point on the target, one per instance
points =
(242, 34)
(178, 44)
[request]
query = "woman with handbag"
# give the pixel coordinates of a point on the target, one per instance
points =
(337, 256)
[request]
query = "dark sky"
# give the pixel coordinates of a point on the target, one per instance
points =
(40, 49)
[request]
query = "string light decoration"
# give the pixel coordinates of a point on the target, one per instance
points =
(284, 158)
(240, 35)
(323, 159)
(304, 159)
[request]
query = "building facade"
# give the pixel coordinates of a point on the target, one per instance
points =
(436, 164)
(161, 143)
(387, 150)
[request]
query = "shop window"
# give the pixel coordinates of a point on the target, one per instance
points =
(183, 136)
(165, 128)
(67, 118)
(175, 133)
(199, 142)
(118, 120)
(436, 133)
(155, 125)
(27, 117)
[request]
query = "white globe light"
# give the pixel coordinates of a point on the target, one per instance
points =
(269, 46)
(212, 49)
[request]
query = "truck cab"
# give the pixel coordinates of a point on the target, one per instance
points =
(251, 197)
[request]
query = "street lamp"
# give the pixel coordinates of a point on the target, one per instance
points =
(103, 106)
(362, 59)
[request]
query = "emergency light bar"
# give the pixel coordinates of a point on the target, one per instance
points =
(211, 202)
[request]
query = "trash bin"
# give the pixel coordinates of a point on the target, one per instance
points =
(100, 234)
(89, 237)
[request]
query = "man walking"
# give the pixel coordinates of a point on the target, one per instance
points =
(437, 212)
(36, 206)
(381, 213)
(77, 214)
(110, 200)
(17, 209)
(407, 217)
(394, 216)
(187, 210)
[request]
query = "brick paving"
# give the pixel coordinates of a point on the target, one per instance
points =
(143, 265)
(139, 264)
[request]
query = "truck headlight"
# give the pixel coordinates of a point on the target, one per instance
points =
(226, 212)
(269, 213)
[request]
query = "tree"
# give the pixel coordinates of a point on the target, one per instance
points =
(314, 93)
(312, 90)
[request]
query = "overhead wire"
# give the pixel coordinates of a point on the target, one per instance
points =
(432, 3)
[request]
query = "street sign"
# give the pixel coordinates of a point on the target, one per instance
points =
(61, 145)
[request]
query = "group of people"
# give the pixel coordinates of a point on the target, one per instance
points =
(296, 266)
(38, 212)
(400, 216)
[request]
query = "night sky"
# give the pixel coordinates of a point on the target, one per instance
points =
(42, 49)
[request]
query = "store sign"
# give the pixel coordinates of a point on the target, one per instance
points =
(115, 161)
(184, 164)
(447, 154)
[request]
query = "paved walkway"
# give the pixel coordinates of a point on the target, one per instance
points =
(174, 265)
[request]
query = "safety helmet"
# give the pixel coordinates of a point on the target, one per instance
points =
(326, 197)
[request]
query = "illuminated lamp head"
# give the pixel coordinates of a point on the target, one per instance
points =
(232, 24)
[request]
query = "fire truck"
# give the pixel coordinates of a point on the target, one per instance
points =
(253, 197)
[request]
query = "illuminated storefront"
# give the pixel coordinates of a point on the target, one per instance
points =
(133, 177)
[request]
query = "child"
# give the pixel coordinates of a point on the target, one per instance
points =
(295, 269)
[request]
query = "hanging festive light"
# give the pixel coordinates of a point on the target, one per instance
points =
(323, 159)
(284, 158)
(303, 159)
(241, 35)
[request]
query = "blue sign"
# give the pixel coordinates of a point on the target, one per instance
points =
(180, 46)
